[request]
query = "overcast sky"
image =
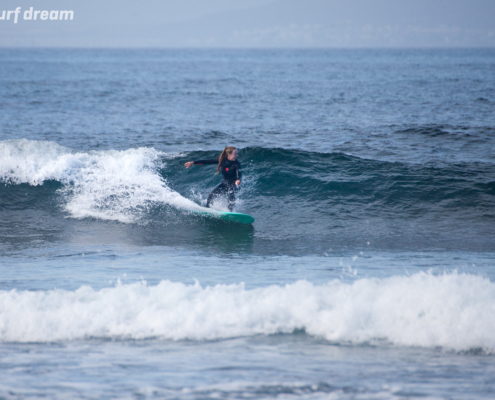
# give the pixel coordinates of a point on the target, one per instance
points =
(252, 23)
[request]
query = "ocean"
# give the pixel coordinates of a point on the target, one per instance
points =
(369, 270)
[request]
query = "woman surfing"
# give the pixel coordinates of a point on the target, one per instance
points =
(231, 173)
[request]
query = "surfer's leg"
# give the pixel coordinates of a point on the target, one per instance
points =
(220, 189)
(231, 197)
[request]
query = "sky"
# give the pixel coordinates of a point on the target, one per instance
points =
(250, 23)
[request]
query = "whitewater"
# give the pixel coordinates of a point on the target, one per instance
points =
(452, 311)
(111, 185)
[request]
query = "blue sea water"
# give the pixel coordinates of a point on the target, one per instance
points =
(368, 273)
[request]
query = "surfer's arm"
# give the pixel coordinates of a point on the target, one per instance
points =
(201, 162)
(238, 173)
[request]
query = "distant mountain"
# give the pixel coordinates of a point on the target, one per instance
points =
(281, 23)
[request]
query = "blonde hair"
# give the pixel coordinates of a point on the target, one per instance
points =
(227, 150)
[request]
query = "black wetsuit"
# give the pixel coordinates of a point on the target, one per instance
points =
(231, 172)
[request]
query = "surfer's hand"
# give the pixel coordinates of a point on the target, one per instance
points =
(188, 164)
(237, 182)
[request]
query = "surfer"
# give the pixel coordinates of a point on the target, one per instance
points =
(231, 173)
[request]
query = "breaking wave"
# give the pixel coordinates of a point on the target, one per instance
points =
(109, 185)
(454, 311)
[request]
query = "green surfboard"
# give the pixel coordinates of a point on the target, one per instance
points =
(226, 216)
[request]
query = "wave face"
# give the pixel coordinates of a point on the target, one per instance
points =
(387, 188)
(453, 311)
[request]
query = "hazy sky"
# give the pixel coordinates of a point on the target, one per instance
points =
(250, 23)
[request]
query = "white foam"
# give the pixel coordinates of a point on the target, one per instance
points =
(455, 311)
(112, 185)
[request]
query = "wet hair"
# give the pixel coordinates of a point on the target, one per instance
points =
(227, 150)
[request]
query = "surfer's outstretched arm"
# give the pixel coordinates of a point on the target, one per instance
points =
(200, 162)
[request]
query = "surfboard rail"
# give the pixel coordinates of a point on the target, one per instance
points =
(225, 216)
